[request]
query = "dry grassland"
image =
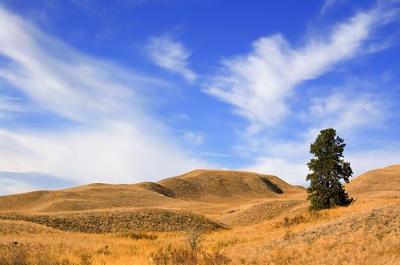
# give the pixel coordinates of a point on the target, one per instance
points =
(274, 229)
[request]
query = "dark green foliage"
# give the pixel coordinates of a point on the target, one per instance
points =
(328, 169)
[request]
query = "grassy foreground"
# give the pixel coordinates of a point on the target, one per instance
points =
(366, 232)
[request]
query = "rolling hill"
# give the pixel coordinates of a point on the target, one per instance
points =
(378, 182)
(250, 218)
(200, 196)
(198, 185)
(217, 185)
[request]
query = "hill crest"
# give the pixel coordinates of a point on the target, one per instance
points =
(196, 185)
(204, 184)
(385, 179)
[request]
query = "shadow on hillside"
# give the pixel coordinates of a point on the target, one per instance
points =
(271, 185)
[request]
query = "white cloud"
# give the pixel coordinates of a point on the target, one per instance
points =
(171, 55)
(373, 159)
(292, 171)
(110, 152)
(259, 84)
(328, 4)
(113, 137)
(196, 138)
(62, 80)
(15, 182)
(10, 106)
(10, 186)
(346, 113)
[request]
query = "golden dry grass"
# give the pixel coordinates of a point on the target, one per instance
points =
(224, 185)
(274, 229)
(363, 233)
(185, 191)
(113, 221)
(378, 182)
(255, 213)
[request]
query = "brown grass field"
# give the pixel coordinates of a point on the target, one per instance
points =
(202, 217)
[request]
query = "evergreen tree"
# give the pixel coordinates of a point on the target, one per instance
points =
(327, 170)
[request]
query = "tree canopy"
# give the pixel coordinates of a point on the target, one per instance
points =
(327, 171)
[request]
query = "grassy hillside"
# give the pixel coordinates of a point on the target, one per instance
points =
(214, 186)
(378, 182)
(211, 185)
(107, 221)
(95, 196)
(240, 217)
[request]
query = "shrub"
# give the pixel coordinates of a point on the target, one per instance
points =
(287, 221)
(104, 251)
(13, 255)
(185, 256)
(194, 238)
(174, 256)
(21, 255)
(86, 259)
(215, 258)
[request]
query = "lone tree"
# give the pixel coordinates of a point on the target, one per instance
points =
(327, 170)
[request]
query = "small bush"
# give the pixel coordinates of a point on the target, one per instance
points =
(174, 256)
(17, 254)
(86, 259)
(104, 251)
(288, 235)
(13, 255)
(215, 258)
(185, 256)
(66, 262)
(194, 238)
(293, 221)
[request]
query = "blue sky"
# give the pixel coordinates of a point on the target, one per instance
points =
(133, 90)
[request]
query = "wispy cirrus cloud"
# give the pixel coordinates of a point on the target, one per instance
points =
(11, 186)
(259, 84)
(11, 106)
(195, 138)
(328, 4)
(111, 136)
(62, 80)
(105, 128)
(347, 114)
(16, 182)
(171, 55)
(294, 168)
